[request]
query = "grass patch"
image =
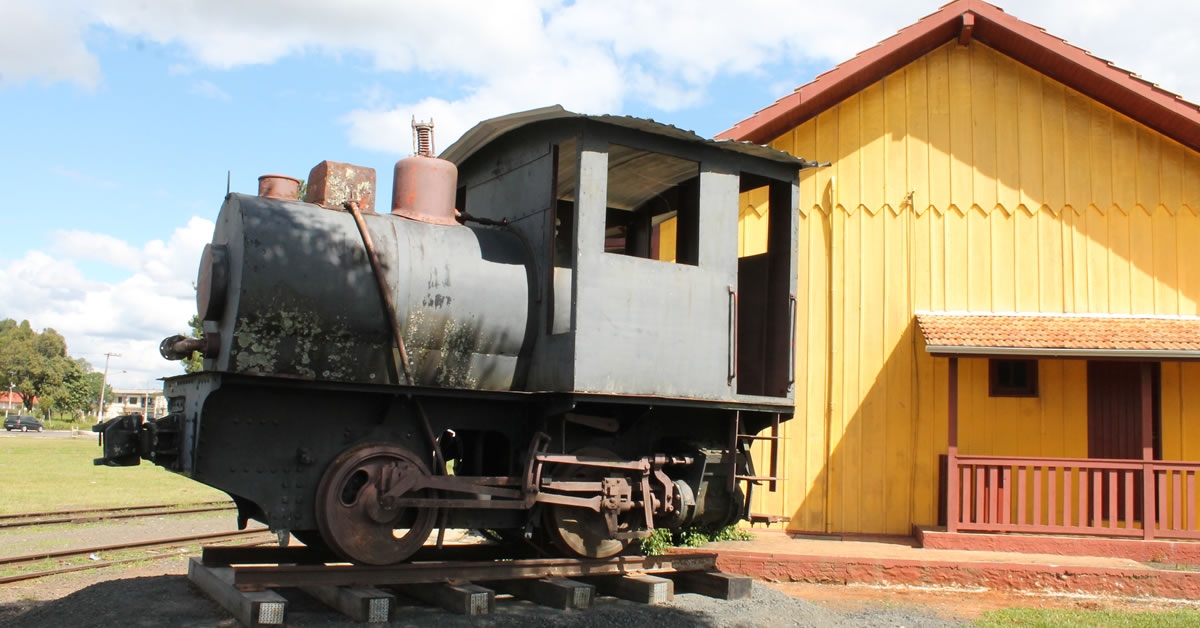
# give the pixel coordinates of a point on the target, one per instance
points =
(63, 530)
(47, 543)
(1063, 618)
(41, 565)
(135, 557)
(57, 474)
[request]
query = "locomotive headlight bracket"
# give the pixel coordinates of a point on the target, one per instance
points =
(120, 441)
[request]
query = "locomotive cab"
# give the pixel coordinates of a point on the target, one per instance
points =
(645, 288)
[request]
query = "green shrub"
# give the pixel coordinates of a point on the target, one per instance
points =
(659, 541)
(733, 533)
(664, 539)
(66, 423)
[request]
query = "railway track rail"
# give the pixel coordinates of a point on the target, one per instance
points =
(18, 562)
(90, 515)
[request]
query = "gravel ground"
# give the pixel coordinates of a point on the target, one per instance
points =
(158, 594)
(172, 601)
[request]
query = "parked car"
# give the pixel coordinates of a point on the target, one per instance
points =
(22, 422)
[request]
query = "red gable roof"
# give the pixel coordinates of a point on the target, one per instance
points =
(1074, 67)
(13, 399)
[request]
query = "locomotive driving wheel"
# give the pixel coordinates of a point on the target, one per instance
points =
(580, 531)
(355, 522)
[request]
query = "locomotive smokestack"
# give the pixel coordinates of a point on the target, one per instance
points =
(423, 187)
(279, 186)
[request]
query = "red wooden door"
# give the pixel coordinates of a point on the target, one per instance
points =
(1115, 420)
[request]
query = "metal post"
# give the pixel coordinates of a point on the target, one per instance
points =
(8, 405)
(103, 384)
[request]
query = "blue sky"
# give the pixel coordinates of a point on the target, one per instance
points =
(120, 118)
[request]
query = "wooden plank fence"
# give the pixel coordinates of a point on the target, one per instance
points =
(1073, 496)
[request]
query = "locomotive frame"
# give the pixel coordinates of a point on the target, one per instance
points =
(484, 372)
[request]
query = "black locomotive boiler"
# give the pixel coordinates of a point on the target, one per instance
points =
(551, 335)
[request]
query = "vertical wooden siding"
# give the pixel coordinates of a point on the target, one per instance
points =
(966, 181)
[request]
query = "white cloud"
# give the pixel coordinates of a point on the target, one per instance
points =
(389, 128)
(589, 55)
(84, 178)
(691, 43)
(95, 246)
(37, 42)
(129, 316)
(208, 90)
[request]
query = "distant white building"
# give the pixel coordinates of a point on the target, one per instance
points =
(146, 402)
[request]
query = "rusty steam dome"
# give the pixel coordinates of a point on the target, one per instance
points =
(423, 186)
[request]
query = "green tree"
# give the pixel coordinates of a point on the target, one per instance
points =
(93, 380)
(195, 363)
(71, 395)
(35, 362)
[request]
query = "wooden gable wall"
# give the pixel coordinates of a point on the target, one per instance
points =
(966, 181)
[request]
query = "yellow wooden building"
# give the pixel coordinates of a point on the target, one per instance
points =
(999, 289)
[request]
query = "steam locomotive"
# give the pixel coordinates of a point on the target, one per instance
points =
(551, 335)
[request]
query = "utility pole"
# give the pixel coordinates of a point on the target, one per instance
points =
(8, 405)
(103, 384)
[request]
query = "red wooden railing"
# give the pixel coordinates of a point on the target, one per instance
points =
(1073, 496)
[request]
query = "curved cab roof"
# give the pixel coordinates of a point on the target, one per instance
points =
(488, 131)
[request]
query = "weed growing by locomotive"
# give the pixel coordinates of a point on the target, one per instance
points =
(551, 335)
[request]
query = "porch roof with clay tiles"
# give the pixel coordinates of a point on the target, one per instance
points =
(1098, 336)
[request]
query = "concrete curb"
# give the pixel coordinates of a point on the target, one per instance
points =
(1017, 577)
(1158, 550)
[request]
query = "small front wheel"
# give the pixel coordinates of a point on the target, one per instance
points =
(24, 428)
